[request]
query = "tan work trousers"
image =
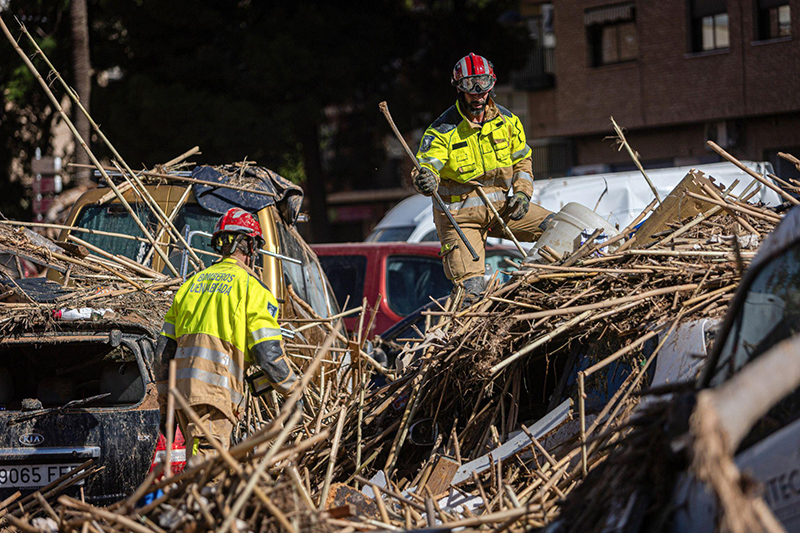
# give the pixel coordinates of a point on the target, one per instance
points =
(212, 419)
(478, 223)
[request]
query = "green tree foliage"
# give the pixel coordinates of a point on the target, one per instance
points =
(26, 114)
(251, 79)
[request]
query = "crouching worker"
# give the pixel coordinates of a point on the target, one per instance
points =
(222, 320)
(477, 142)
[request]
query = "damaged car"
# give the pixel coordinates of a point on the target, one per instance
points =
(79, 406)
(77, 395)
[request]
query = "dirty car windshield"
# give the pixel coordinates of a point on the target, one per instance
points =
(116, 219)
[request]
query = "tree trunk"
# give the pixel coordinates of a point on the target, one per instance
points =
(82, 71)
(315, 186)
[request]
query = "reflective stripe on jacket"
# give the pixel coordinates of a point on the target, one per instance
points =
(218, 318)
(494, 154)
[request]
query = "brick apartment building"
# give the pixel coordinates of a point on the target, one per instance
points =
(674, 73)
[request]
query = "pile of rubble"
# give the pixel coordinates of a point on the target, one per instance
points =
(446, 438)
(505, 414)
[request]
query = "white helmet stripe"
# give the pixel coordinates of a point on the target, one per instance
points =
(462, 66)
(236, 227)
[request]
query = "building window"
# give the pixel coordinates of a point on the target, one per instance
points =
(774, 19)
(611, 34)
(538, 72)
(709, 25)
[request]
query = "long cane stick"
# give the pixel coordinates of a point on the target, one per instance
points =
(506, 230)
(385, 110)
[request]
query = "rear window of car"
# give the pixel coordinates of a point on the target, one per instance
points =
(346, 276)
(411, 280)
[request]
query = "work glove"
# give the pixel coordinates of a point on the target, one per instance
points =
(518, 206)
(425, 182)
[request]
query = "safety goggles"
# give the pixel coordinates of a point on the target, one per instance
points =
(476, 84)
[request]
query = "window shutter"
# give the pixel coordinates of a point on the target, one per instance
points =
(705, 8)
(607, 14)
(766, 4)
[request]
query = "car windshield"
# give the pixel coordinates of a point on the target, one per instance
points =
(401, 234)
(769, 314)
(411, 280)
(114, 218)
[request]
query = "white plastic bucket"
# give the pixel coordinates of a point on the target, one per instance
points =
(563, 234)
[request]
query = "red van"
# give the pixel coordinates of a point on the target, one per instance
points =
(405, 275)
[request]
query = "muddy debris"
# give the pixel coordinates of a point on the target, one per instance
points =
(493, 418)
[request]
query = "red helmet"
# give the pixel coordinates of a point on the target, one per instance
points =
(238, 221)
(473, 74)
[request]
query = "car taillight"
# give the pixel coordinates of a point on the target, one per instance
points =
(178, 455)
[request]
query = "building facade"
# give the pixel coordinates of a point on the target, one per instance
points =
(673, 73)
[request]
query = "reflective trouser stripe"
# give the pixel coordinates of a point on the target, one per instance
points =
(264, 333)
(221, 358)
(454, 207)
(210, 379)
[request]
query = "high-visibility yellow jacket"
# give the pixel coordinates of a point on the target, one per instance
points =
(495, 154)
(223, 319)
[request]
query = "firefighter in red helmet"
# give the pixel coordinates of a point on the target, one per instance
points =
(222, 320)
(477, 141)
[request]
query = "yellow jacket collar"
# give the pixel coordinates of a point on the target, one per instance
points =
(240, 264)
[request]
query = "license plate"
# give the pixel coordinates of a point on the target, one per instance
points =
(32, 476)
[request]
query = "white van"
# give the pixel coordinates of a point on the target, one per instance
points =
(617, 197)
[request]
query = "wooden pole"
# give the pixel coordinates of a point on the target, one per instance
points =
(582, 416)
(539, 341)
(137, 184)
(607, 303)
(172, 216)
(624, 142)
(72, 228)
(127, 263)
(337, 436)
(190, 152)
(733, 207)
(785, 195)
(82, 142)
(170, 436)
(506, 230)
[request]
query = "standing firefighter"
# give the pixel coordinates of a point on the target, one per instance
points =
(478, 142)
(221, 320)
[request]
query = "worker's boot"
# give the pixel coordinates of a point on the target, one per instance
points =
(473, 290)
